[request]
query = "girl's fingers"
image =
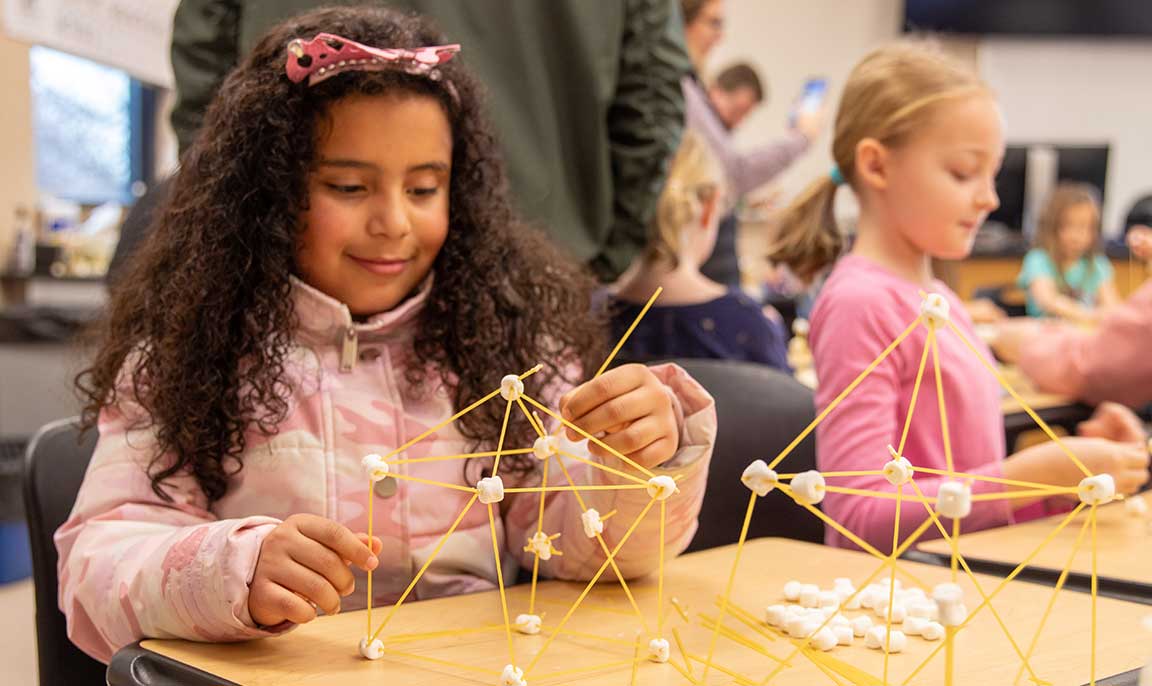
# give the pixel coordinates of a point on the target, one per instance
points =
(285, 603)
(625, 409)
(340, 539)
(325, 562)
(309, 585)
(377, 544)
(612, 384)
(638, 435)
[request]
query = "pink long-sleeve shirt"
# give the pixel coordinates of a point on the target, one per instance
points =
(861, 310)
(133, 566)
(1111, 362)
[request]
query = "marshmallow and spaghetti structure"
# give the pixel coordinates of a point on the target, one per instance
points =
(814, 623)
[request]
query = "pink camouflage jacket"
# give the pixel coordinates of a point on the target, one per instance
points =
(134, 566)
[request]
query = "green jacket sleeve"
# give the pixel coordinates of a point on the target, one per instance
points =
(645, 122)
(205, 36)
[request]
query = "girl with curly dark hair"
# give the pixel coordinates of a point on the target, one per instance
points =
(336, 272)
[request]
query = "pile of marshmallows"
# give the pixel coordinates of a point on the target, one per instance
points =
(814, 613)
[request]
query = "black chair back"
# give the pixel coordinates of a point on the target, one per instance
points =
(759, 411)
(54, 469)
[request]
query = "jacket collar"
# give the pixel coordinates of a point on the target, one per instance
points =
(324, 319)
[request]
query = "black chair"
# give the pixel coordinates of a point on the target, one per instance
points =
(55, 464)
(760, 411)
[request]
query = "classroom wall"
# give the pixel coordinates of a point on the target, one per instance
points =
(18, 170)
(1081, 91)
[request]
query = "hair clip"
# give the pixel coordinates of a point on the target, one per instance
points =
(327, 55)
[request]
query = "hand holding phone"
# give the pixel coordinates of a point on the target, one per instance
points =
(808, 113)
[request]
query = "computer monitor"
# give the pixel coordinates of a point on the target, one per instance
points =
(1018, 180)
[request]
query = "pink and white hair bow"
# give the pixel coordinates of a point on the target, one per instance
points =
(327, 55)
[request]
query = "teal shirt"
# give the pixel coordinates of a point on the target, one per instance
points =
(1084, 282)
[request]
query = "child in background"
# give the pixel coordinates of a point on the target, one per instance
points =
(1066, 274)
(919, 140)
(694, 316)
(1110, 362)
(337, 270)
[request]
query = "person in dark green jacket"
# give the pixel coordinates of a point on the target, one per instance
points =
(585, 96)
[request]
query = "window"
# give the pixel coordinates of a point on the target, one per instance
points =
(93, 129)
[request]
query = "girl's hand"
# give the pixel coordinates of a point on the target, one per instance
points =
(1046, 463)
(628, 409)
(1114, 422)
(303, 565)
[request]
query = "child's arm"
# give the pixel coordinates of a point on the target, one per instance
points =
(1108, 296)
(693, 427)
(1049, 298)
(133, 566)
(745, 170)
(1109, 363)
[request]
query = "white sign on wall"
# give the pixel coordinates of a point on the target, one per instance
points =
(133, 35)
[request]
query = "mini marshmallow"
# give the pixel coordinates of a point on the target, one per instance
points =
(912, 594)
(914, 626)
(810, 626)
(843, 635)
(829, 599)
(658, 650)
(490, 489)
(528, 624)
(842, 581)
(896, 614)
(839, 620)
(545, 446)
(922, 609)
(953, 615)
(810, 595)
(794, 626)
(824, 639)
(376, 467)
(540, 545)
(593, 525)
(950, 604)
(511, 387)
(947, 593)
(933, 631)
(899, 470)
(879, 638)
(935, 309)
(775, 615)
(1097, 490)
(827, 611)
(512, 676)
(851, 601)
(373, 650)
(861, 625)
(809, 487)
(869, 596)
(759, 478)
(792, 591)
(954, 500)
(1136, 506)
(661, 487)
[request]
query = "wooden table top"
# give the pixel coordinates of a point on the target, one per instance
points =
(324, 651)
(1124, 545)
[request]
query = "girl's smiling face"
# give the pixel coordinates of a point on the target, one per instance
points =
(377, 212)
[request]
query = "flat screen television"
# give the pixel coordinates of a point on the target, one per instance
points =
(1031, 17)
